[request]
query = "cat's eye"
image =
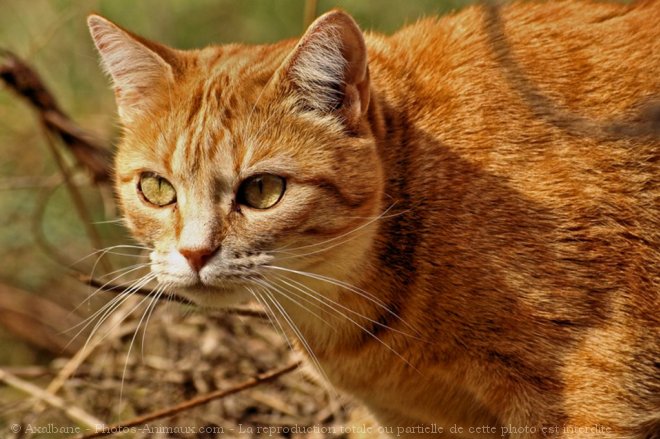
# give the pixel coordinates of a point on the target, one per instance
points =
(156, 190)
(261, 191)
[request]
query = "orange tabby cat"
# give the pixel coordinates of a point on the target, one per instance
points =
(460, 223)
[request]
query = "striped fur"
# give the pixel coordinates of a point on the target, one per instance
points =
(492, 178)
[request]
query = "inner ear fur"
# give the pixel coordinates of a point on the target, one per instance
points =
(329, 68)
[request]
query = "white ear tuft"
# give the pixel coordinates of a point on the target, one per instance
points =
(329, 68)
(319, 70)
(136, 70)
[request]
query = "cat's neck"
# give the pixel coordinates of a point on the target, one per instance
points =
(363, 291)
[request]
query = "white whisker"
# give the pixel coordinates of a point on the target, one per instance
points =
(125, 295)
(153, 305)
(273, 320)
(330, 303)
(154, 295)
(296, 332)
(335, 238)
(333, 281)
(360, 292)
(102, 288)
(112, 221)
(104, 252)
(370, 333)
(104, 312)
(137, 247)
(298, 256)
(314, 304)
(130, 267)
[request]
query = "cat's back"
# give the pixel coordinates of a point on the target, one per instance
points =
(532, 124)
(538, 94)
(592, 58)
(524, 141)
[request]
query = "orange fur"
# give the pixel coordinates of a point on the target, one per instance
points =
(491, 178)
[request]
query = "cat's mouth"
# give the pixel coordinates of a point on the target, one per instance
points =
(215, 296)
(219, 284)
(203, 282)
(217, 275)
(214, 288)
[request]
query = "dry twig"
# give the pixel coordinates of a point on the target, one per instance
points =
(76, 414)
(95, 158)
(117, 317)
(29, 182)
(171, 297)
(37, 320)
(25, 82)
(191, 403)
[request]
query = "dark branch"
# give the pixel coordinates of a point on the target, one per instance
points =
(25, 82)
(118, 289)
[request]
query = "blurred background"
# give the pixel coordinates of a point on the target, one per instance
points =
(43, 233)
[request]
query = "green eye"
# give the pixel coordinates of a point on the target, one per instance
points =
(261, 191)
(156, 190)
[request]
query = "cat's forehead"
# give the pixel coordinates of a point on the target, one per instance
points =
(199, 144)
(215, 115)
(234, 75)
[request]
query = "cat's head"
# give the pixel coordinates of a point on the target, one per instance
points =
(240, 162)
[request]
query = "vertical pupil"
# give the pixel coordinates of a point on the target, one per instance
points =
(260, 182)
(160, 183)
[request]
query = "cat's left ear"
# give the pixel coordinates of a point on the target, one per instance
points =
(328, 68)
(140, 69)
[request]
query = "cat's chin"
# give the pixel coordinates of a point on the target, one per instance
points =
(215, 297)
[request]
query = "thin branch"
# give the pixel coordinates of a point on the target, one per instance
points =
(74, 413)
(78, 202)
(246, 312)
(118, 289)
(28, 371)
(33, 372)
(191, 403)
(36, 228)
(116, 318)
(37, 320)
(311, 7)
(29, 182)
(25, 82)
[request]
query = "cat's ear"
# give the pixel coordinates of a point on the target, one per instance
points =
(329, 69)
(138, 67)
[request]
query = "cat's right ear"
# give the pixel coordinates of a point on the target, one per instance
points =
(138, 67)
(329, 70)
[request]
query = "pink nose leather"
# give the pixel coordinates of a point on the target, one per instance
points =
(198, 257)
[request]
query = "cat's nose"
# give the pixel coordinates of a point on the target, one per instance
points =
(198, 257)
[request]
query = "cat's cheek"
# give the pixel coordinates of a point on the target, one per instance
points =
(140, 228)
(149, 225)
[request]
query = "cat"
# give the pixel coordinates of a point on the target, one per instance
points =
(459, 224)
